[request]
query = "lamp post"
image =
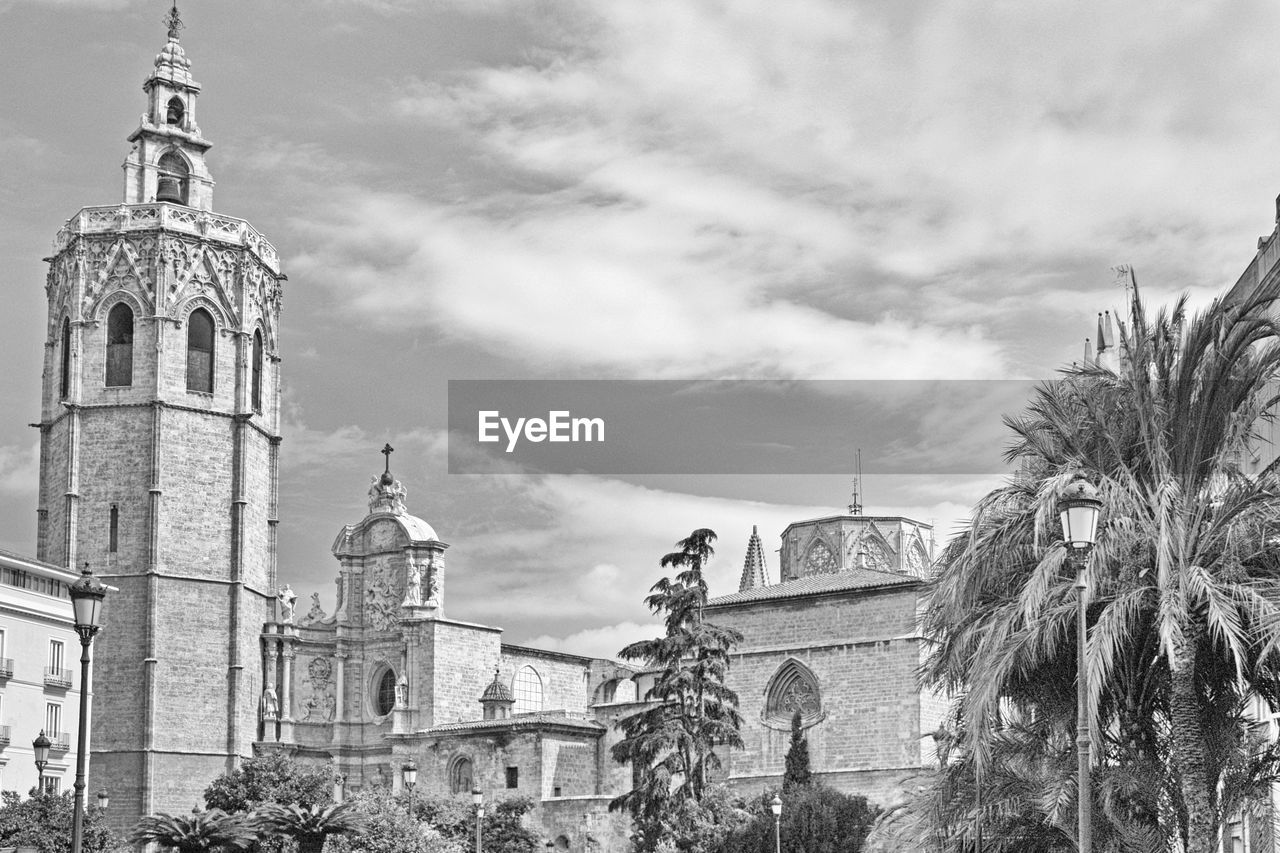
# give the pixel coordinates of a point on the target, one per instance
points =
(40, 746)
(410, 771)
(775, 806)
(103, 800)
(1079, 508)
(477, 799)
(86, 602)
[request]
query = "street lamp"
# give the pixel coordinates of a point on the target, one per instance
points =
(477, 799)
(1079, 508)
(86, 603)
(103, 800)
(40, 746)
(775, 806)
(410, 771)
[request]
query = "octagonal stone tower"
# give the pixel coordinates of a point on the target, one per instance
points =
(159, 436)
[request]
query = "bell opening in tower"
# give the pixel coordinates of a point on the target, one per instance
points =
(171, 185)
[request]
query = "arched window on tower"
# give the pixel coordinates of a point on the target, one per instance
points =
(527, 690)
(200, 351)
(256, 386)
(120, 345)
(175, 111)
(792, 688)
(172, 180)
(64, 379)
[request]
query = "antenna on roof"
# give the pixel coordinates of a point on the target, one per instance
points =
(855, 508)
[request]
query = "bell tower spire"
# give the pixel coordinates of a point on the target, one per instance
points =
(167, 160)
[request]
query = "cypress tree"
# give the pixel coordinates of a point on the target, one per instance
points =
(797, 773)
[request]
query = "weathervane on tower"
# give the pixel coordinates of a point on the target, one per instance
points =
(174, 21)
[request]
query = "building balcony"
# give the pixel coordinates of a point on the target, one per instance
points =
(58, 741)
(5, 732)
(6, 667)
(54, 677)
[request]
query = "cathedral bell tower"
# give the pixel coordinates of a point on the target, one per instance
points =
(159, 437)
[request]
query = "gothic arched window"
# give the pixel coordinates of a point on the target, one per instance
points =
(820, 560)
(256, 385)
(460, 775)
(527, 689)
(792, 688)
(172, 180)
(175, 111)
(64, 380)
(120, 345)
(200, 351)
(384, 701)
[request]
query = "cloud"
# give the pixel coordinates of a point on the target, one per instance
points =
(637, 292)
(602, 642)
(815, 189)
(20, 470)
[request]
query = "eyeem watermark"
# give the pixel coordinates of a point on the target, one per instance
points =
(559, 426)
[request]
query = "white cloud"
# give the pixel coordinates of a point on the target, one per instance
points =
(815, 189)
(603, 642)
(20, 470)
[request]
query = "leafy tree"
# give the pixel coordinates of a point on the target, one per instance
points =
(270, 778)
(797, 764)
(1184, 595)
(700, 826)
(43, 821)
(672, 744)
(389, 828)
(199, 832)
(503, 830)
(309, 826)
(815, 819)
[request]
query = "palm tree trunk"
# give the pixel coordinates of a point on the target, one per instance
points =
(1188, 749)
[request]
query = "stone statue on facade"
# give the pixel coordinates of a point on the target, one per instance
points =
(387, 495)
(316, 613)
(286, 597)
(269, 706)
(402, 692)
(413, 594)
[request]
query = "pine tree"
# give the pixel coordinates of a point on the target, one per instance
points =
(797, 773)
(672, 744)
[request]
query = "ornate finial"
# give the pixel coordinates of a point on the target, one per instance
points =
(386, 451)
(174, 21)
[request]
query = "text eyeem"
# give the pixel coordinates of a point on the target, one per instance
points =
(558, 426)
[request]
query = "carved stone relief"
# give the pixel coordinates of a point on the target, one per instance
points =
(320, 703)
(382, 599)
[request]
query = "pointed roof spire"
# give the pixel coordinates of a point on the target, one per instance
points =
(1088, 353)
(753, 568)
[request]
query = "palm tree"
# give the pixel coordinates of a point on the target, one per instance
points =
(1184, 601)
(200, 832)
(309, 826)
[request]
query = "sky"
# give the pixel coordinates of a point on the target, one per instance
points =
(658, 190)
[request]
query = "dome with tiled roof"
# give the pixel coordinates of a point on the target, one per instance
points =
(497, 699)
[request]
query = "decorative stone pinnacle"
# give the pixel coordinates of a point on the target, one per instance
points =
(174, 21)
